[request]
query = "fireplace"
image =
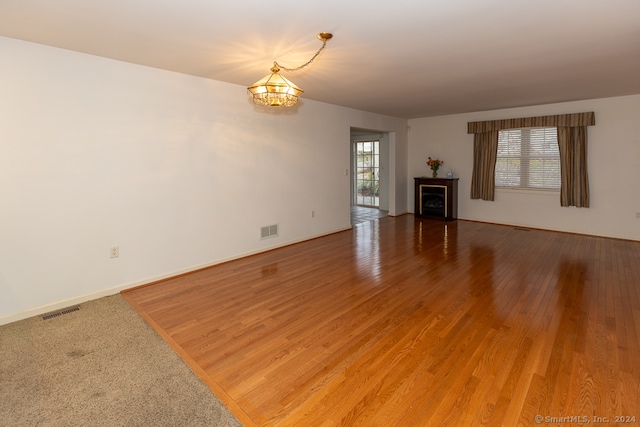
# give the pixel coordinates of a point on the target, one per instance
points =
(436, 198)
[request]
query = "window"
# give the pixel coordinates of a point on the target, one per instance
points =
(528, 158)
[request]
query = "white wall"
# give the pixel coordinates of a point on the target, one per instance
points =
(178, 171)
(614, 169)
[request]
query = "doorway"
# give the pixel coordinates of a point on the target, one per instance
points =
(366, 165)
(370, 180)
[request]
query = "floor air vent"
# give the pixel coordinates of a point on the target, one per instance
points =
(521, 229)
(61, 312)
(269, 231)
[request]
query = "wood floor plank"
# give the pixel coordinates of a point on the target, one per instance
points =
(413, 322)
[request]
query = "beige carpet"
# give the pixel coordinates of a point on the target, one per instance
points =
(101, 365)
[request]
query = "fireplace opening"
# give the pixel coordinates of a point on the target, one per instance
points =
(433, 200)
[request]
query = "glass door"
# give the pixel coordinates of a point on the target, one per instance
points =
(366, 157)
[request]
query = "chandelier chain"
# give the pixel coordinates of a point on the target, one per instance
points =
(324, 43)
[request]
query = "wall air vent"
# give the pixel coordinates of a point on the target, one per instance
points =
(269, 231)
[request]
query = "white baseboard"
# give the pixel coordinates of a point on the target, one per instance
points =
(36, 311)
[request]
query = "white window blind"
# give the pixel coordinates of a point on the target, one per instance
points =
(528, 158)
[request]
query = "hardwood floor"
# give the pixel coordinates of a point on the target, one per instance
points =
(409, 322)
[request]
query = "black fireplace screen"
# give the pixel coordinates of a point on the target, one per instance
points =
(433, 200)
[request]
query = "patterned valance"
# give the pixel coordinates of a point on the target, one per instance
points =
(560, 120)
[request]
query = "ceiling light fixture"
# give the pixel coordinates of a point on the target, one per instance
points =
(276, 91)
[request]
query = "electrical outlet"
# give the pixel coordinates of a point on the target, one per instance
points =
(114, 251)
(313, 214)
(637, 215)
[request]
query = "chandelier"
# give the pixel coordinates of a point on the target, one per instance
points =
(276, 91)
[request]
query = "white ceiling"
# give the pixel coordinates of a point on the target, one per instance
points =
(404, 58)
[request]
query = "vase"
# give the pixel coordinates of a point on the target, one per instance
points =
(434, 173)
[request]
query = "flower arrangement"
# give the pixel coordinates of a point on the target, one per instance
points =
(434, 164)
